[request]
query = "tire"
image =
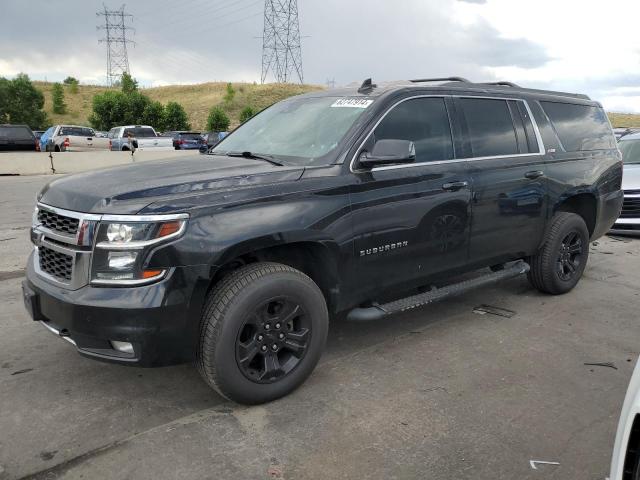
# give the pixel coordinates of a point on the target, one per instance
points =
(560, 262)
(253, 308)
(57, 148)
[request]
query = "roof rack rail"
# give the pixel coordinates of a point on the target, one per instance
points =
(502, 82)
(442, 79)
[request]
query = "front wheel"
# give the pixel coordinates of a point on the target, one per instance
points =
(559, 264)
(262, 333)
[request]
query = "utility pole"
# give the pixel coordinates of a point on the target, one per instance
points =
(331, 83)
(281, 47)
(116, 40)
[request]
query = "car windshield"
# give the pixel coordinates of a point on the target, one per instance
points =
(630, 151)
(297, 131)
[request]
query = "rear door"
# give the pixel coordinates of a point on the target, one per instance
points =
(506, 158)
(411, 221)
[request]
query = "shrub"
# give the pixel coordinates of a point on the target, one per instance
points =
(57, 96)
(246, 114)
(231, 93)
(153, 114)
(218, 121)
(128, 84)
(72, 83)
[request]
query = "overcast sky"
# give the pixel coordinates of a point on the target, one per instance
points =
(587, 46)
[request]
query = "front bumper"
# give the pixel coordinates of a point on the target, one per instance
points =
(626, 226)
(160, 320)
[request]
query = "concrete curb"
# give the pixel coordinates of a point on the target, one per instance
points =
(41, 163)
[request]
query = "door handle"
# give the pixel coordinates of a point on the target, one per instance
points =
(534, 174)
(453, 186)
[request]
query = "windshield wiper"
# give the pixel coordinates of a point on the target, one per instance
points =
(254, 156)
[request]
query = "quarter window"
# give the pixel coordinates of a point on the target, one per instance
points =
(580, 127)
(425, 122)
(490, 127)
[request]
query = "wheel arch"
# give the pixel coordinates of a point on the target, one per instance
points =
(583, 203)
(315, 256)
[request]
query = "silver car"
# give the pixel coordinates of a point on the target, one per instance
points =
(629, 221)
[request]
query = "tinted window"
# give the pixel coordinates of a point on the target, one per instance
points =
(190, 136)
(580, 127)
(424, 121)
(16, 133)
(491, 130)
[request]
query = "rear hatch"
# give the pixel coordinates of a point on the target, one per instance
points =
(16, 137)
(189, 140)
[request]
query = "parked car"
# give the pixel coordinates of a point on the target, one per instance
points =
(353, 200)
(138, 137)
(44, 138)
(629, 220)
(74, 138)
(211, 139)
(622, 131)
(17, 137)
(101, 134)
(183, 140)
(625, 463)
(38, 134)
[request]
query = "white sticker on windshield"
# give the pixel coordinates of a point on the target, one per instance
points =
(352, 103)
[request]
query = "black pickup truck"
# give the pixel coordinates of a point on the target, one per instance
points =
(361, 202)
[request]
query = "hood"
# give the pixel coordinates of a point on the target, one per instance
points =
(631, 177)
(128, 189)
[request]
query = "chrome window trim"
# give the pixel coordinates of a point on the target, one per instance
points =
(541, 147)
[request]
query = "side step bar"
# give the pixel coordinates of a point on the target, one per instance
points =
(376, 312)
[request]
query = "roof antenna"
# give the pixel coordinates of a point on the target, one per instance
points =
(367, 86)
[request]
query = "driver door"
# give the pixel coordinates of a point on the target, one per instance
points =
(411, 221)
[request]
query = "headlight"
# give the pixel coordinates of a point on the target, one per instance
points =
(123, 244)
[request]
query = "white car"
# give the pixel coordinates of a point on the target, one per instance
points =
(625, 464)
(629, 221)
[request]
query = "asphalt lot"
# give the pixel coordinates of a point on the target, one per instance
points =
(439, 393)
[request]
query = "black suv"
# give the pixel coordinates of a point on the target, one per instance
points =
(345, 201)
(17, 137)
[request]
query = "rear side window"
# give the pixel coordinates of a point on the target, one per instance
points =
(425, 122)
(580, 127)
(16, 133)
(490, 127)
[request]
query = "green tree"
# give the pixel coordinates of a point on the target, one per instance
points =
(110, 109)
(231, 93)
(153, 114)
(128, 84)
(246, 113)
(218, 121)
(57, 96)
(21, 102)
(175, 118)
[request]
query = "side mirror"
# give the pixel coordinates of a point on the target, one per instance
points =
(389, 152)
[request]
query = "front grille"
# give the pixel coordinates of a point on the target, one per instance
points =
(58, 223)
(632, 192)
(630, 208)
(56, 264)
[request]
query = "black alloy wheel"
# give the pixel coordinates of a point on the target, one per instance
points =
(569, 256)
(273, 340)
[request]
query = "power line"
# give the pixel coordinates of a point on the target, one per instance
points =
(281, 47)
(116, 40)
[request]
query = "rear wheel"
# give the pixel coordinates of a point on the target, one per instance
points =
(263, 330)
(559, 264)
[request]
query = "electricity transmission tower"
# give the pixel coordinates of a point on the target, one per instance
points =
(116, 40)
(281, 48)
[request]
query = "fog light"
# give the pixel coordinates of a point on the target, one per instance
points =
(124, 347)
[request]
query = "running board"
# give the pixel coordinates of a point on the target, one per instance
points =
(376, 312)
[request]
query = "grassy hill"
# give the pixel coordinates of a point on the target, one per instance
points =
(198, 99)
